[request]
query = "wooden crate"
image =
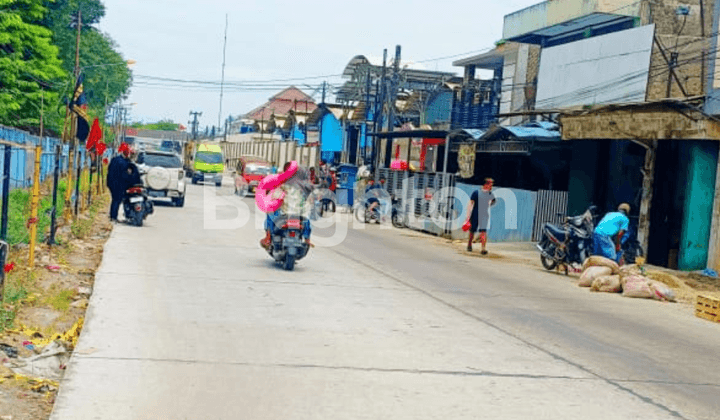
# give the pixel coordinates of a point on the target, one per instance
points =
(708, 308)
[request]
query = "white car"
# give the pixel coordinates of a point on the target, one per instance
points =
(163, 175)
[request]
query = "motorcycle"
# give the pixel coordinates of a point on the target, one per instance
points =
(398, 217)
(137, 205)
(569, 244)
(631, 248)
(288, 244)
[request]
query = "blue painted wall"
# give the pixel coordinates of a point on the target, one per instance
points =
(511, 219)
(439, 109)
(701, 158)
(332, 136)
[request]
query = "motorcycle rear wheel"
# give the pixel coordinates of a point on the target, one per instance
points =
(137, 218)
(289, 263)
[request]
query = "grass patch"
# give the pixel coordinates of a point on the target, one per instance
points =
(19, 208)
(15, 293)
(60, 301)
(7, 318)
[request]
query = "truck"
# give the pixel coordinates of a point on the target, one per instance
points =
(204, 162)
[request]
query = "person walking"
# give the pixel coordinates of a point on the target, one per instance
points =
(478, 214)
(607, 238)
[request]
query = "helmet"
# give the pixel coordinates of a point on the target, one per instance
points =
(124, 149)
(624, 207)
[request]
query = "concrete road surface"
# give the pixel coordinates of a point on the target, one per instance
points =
(188, 321)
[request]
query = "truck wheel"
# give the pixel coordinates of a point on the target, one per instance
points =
(218, 184)
(194, 181)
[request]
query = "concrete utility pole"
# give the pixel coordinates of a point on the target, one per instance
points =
(394, 85)
(222, 81)
(194, 129)
(380, 110)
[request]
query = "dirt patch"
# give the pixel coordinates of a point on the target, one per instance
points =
(46, 304)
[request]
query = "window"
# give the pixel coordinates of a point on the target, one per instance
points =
(209, 157)
(163, 161)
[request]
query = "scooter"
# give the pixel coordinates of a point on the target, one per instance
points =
(569, 244)
(288, 244)
(137, 205)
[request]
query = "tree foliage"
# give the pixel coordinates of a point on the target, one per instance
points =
(107, 77)
(37, 58)
(162, 125)
(30, 70)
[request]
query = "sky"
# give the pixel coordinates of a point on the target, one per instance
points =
(270, 42)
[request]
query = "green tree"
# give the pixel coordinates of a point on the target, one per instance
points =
(29, 63)
(107, 77)
(162, 125)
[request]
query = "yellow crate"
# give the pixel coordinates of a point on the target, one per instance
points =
(708, 308)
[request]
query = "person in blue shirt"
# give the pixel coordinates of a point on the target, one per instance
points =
(608, 234)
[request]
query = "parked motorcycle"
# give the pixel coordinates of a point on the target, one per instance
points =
(569, 244)
(630, 247)
(398, 216)
(137, 205)
(288, 244)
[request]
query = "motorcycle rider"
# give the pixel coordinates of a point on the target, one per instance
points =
(122, 174)
(373, 200)
(297, 189)
(607, 238)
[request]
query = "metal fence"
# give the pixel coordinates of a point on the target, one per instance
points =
(551, 207)
(23, 156)
(423, 197)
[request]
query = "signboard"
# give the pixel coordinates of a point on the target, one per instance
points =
(612, 68)
(466, 160)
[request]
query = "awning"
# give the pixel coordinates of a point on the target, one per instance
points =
(414, 134)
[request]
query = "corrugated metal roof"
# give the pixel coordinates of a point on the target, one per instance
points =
(533, 132)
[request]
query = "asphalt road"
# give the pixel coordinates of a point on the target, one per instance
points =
(190, 319)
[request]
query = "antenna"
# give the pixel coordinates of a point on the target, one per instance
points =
(222, 82)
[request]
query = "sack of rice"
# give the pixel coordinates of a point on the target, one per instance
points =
(638, 287)
(607, 284)
(598, 261)
(590, 274)
(662, 291)
(630, 270)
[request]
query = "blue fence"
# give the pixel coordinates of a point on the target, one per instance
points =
(511, 219)
(22, 158)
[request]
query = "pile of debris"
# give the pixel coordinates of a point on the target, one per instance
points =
(604, 275)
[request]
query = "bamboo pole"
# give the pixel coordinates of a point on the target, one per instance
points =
(34, 207)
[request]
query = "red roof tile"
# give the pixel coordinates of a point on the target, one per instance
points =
(282, 103)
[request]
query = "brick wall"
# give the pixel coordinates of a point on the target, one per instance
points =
(684, 39)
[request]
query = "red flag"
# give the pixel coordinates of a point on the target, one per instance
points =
(100, 148)
(95, 135)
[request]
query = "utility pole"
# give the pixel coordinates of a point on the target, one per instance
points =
(380, 110)
(222, 82)
(394, 84)
(320, 126)
(194, 128)
(72, 160)
(367, 119)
